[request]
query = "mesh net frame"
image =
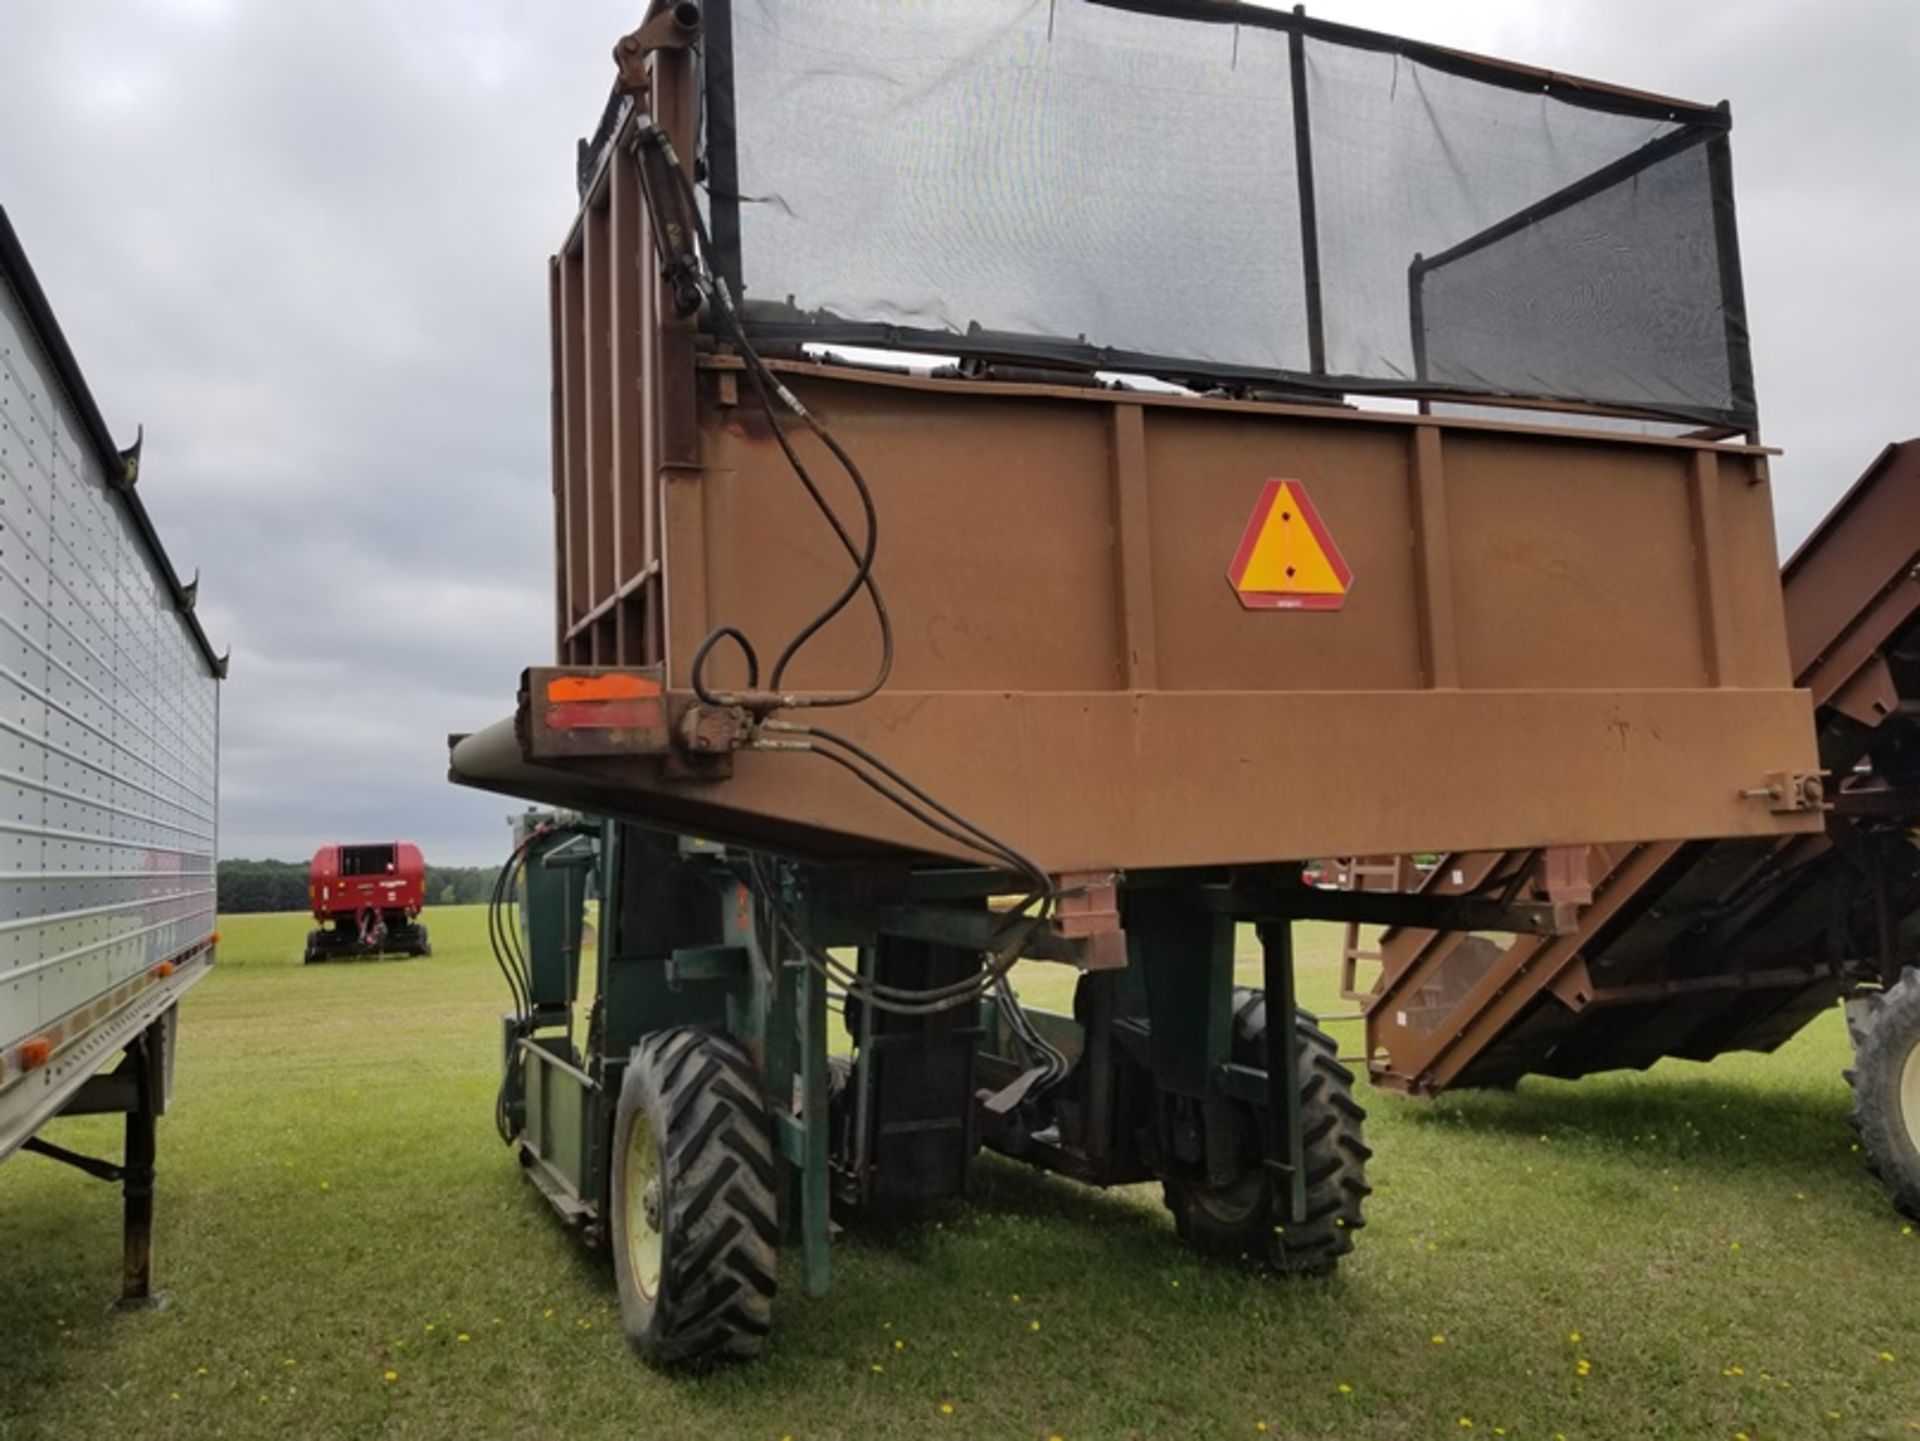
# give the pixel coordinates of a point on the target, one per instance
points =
(1224, 196)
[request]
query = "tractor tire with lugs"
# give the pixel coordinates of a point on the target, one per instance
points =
(1885, 1028)
(693, 1204)
(1248, 1219)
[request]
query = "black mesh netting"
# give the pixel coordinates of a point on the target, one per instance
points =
(1120, 183)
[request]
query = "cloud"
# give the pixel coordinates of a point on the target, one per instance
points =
(304, 242)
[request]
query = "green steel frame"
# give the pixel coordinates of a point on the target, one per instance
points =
(687, 937)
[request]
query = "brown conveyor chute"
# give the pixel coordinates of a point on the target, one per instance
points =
(1696, 949)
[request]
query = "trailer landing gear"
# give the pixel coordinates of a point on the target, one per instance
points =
(136, 1087)
(1885, 1027)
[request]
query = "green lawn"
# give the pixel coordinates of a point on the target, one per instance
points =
(335, 1208)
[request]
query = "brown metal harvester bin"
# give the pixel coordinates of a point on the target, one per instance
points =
(1549, 634)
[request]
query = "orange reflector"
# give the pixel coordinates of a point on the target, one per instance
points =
(35, 1052)
(214, 939)
(161, 971)
(614, 685)
(1287, 559)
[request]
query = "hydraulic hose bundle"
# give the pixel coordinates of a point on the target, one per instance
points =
(695, 279)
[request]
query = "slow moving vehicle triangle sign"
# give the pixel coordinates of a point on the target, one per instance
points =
(1287, 559)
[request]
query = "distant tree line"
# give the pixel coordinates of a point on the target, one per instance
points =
(282, 885)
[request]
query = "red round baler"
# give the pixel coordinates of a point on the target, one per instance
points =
(367, 899)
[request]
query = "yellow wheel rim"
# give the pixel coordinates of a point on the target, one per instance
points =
(1910, 1095)
(642, 1208)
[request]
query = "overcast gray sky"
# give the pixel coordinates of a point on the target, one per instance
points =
(304, 242)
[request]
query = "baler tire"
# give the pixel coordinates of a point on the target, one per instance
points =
(706, 1291)
(1886, 1086)
(1249, 1218)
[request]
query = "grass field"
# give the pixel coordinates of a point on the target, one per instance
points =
(350, 1251)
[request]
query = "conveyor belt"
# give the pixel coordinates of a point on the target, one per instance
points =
(1694, 949)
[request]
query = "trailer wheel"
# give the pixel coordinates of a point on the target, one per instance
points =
(1886, 1086)
(1248, 1217)
(693, 1211)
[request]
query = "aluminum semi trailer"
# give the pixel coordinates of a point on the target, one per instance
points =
(109, 770)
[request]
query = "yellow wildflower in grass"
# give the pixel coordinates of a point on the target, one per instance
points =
(199, 1370)
(1466, 1422)
(1438, 1339)
(547, 1315)
(392, 1376)
(463, 1338)
(1733, 1245)
(1583, 1367)
(1345, 1389)
(429, 1325)
(1574, 1337)
(1261, 1427)
(876, 1368)
(1033, 1325)
(1886, 1355)
(1016, 1298)
(946, 1408)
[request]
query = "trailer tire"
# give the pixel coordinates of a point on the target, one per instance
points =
(693, 1211)
(1248, 1219)
(1885, 1028)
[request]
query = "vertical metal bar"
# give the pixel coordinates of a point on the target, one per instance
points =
(1710, 566)
(1433, 561)
(596, 314)
(863, 1073)
(1417, 323)
(1733, 297)
(722, 150)
(625, 278)
(573, 421)
(1286, 1142)
(562, 618)
(814, 1191)
(136, 1182)
(1099, 1131)
(1133, 552)
(1309, 210)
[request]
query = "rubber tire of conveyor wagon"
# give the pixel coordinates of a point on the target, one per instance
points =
(421, 945)
(1248, 1220)
(1885, 1028)
(698, 1096)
